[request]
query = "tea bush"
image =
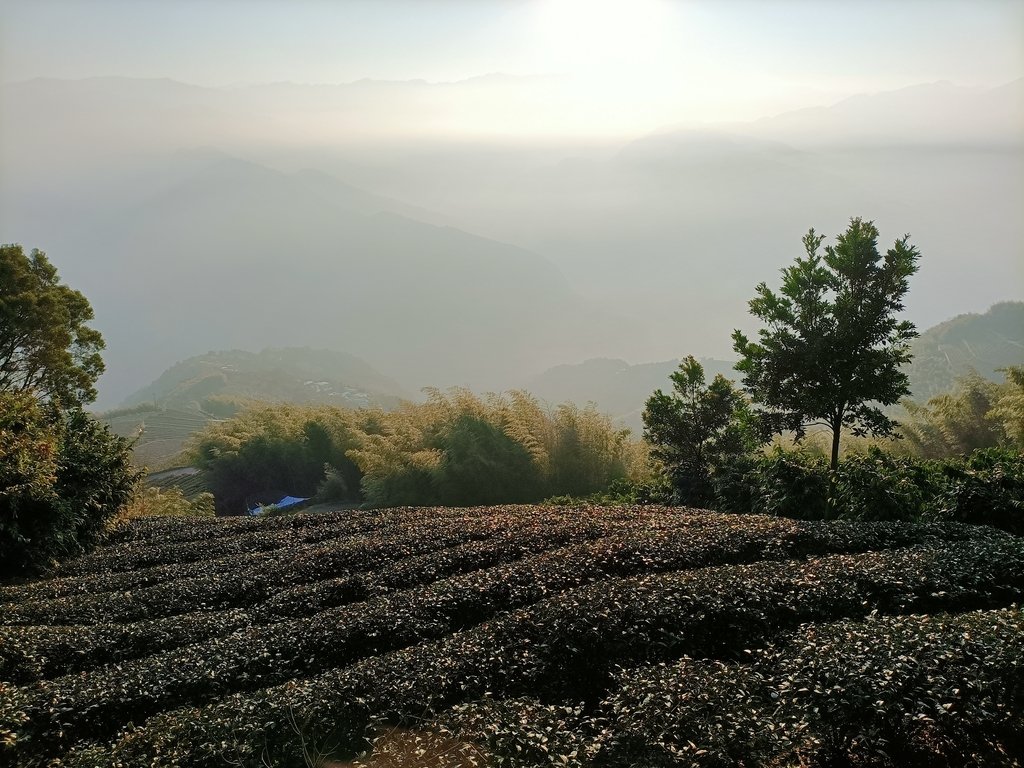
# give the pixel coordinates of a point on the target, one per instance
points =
(895, 691)
(509, 630)
(565, 647)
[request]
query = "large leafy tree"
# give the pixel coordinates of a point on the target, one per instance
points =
(697, 426)
(63, 475)
(832, 349)
(46, 345)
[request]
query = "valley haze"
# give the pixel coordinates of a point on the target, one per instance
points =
(479, 230)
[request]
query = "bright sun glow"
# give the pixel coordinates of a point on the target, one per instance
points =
(589, 36)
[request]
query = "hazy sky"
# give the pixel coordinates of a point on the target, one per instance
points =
(721, 60)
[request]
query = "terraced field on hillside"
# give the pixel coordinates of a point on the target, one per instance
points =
(160, 435)
(522, 636)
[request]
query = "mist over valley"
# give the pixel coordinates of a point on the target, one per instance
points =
(201, 218)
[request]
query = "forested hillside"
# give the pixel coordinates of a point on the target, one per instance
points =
(292, 375)
(982, 342)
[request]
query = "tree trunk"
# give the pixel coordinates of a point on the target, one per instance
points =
(836, 430)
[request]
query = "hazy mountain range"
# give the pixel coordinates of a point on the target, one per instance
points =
(213, 383)
(353, 217)
(983, 342)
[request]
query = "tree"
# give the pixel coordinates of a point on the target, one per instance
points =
(696, 427)
(832, 351)
(63, 476)
(46, 346)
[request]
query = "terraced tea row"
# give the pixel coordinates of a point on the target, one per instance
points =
(196, 558)
(143, 553)
(331, 626)
(922, 691)
(565, 645)
(929, 690)
(235, 583)
(651, 543)
(40, 651)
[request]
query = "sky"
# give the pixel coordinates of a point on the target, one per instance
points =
(603, 136)
(673, 60)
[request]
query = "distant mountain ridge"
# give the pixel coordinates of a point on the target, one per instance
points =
(982, 342)
(928, 113)
(240, 255)
(183, 214)
(293, 375)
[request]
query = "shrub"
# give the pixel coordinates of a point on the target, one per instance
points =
(63, 476)
(167, 502)
(984, 488)
(879, 486)
(787, 484)
(273, 451)
(458, 448)
(657, 490)
(333, 487)
(564, 648)
(906, 690)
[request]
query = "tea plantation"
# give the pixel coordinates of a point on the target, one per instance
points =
(520, 636)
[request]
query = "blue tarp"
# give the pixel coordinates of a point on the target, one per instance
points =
(287, 501)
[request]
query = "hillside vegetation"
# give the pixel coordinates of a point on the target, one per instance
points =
(983, 343)
(158, 435)
(211, 382)
(943, 354)
(522, 636)
(456, 448)
(221, 383)
(161, 417)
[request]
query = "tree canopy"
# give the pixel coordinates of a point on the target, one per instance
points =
(693, 428)
(63, 476)
(832, 349)
(46, 346)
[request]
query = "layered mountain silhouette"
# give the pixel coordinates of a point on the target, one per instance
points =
(231, 253)
(344, 217)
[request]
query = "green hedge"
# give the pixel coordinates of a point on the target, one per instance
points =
(983, 488)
